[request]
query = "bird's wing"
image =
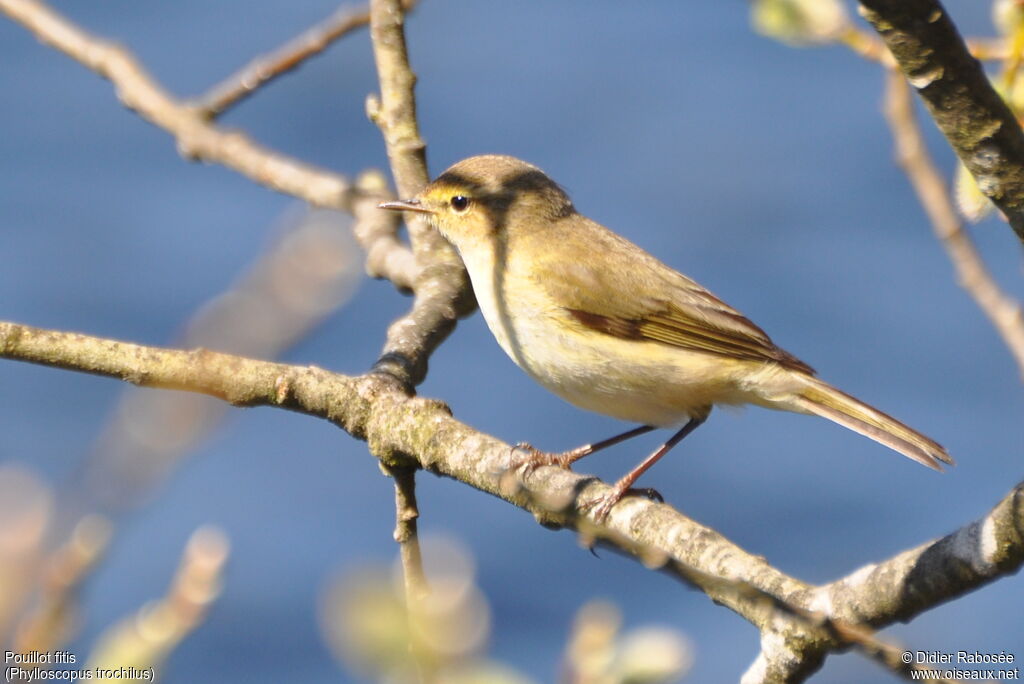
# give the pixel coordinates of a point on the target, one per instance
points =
(655, 303)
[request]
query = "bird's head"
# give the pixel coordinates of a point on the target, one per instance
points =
(484, 197)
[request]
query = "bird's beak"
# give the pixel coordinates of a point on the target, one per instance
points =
(405, 205)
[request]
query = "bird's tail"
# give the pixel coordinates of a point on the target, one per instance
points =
(826, 401)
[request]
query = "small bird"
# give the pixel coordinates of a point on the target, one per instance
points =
(609, 328)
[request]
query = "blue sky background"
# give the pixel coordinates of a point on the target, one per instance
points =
(764, 172)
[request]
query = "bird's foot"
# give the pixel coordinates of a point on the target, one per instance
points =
(534, 458)
(602, 505)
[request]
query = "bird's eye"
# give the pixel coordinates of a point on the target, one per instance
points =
(459, 203)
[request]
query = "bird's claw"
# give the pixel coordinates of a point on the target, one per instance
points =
(535, 458)
(602, 505)
(649, 492)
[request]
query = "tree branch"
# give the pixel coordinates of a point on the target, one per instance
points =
(913, 581)
(197, 138)
(395, 112)
(377, 231)
(975, 120)
(442, 288)
(399, 427)
(266, 68)
(414, 578)
(895, 590)
(407, 534)
(801, 623)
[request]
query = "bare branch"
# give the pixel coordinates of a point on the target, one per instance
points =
(445, 290)
(792, 651)
(406, 533)
(442, 287)
(197, 138)
(913, 581)
(399, 427)
(414, 579)
(377, 231)
(975, 120)
(396, 113)
(266, 68)
(932, 191)
(895, 590)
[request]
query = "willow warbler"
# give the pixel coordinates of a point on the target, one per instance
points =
(609, 328)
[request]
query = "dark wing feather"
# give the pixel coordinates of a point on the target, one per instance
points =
(683, 314)
(682, 329)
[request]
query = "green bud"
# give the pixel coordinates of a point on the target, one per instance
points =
(973, 205)
(1008, 16)
(799, 23)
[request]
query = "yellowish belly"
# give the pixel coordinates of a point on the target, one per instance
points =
(636, 381)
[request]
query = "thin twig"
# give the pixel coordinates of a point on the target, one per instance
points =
(932, 191)
(266, 68)
(894, 590)
(988, 49)
(442, 287)
(310, 270)
(396, 113)
(377, 231)
(444, 298)
(789, 656)
(414, 579)
(406, 533)
(197, 138)
(1011, 67)
(864, 44)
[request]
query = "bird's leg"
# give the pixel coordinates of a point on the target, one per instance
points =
(603, 504)
(535, 458)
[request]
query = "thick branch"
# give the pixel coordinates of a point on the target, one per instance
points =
(919, 579)
(895, 590)
(398, 426)
(197, 137)
(975, 120)
(800, 619)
